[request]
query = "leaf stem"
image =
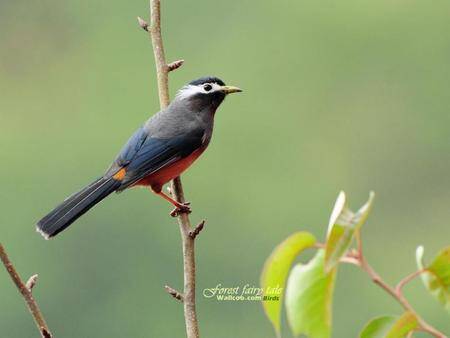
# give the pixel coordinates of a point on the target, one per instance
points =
(407, 279)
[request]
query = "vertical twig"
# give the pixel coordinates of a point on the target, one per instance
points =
(162, 71)
(25, 290)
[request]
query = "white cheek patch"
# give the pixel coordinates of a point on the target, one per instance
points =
(188, 91)
(191, 90)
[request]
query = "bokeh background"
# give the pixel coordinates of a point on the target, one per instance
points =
(350, 95)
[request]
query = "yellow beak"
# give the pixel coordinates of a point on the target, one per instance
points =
(230, 89)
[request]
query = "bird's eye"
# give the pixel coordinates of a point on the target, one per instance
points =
(207, 87)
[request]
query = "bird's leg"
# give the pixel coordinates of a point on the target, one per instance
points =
(179, 207)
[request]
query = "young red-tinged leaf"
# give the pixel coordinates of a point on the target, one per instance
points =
(309, 295)
(341, 229)
(276, 268)
(390, 327)
(436, 276)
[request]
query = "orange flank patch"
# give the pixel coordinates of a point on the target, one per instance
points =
(120, 174)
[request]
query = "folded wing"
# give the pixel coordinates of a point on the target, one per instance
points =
(143, 155)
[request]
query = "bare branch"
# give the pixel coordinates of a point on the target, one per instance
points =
(174, 293)
(194, 233)
(26, 294)
(158, 51)
(162, 71)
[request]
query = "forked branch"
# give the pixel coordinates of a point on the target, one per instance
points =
(357, 258)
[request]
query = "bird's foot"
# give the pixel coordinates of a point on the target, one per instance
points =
(182, 208)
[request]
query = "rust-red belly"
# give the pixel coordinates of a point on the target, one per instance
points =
(164, 175)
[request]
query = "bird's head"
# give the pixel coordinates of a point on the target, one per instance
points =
(206, 92)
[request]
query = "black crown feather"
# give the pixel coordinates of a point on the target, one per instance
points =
(207, 79)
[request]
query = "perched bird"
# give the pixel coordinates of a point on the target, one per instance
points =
(165, 146)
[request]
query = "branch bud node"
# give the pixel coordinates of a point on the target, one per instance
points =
(174, 293)
(31, 282)
(175, 65)
(143, 24)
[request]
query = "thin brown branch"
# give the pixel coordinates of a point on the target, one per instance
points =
(25, 291)
(190, 313)
(162, 71)
(174, 293)
(194, 233)
(395, 293)
(158, 50)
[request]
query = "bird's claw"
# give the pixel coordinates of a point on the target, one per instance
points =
(183, 208)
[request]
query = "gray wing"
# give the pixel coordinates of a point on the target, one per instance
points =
(144, 155)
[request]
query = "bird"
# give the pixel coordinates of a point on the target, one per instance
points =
(159, 151)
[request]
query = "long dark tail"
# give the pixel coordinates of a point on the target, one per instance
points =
(75, 206)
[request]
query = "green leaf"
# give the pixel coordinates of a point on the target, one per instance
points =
(390, 327)
(436, 276)
(309, 296)
(341, 229)
(276, 269)
(378, 327)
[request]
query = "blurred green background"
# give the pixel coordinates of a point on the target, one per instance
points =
(350, 95)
